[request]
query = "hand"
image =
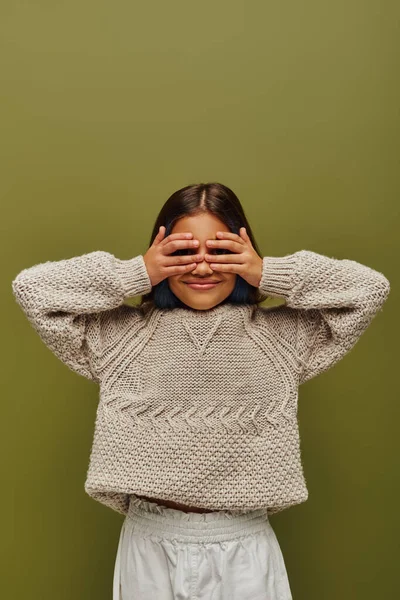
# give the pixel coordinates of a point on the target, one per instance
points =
(244, 261)
(160, 265)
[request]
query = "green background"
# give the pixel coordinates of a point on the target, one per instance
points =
(107, 109)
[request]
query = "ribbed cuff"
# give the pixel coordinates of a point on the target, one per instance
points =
(133, 275)
(277, 275)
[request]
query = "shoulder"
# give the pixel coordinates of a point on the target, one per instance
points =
(113, 325)
(290, 324)
(281, 320)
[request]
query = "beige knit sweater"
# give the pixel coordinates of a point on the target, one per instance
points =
(199, 407)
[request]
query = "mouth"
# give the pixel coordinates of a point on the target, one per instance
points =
(202, 285)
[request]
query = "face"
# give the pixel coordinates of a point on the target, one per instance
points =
(203, 227)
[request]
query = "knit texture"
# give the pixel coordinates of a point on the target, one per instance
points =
(199, 407)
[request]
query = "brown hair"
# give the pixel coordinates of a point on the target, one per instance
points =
(190, 200)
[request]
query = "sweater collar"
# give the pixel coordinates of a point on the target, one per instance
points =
(201, 325)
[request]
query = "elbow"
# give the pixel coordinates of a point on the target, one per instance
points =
(381, 291)
(17, 287)
(384, 287)
(21, 290)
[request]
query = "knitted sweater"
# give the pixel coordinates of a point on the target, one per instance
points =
(199, 407)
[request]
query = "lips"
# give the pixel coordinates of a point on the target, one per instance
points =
(202, 281)
(203, 285)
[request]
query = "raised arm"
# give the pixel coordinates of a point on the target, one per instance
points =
(334, 301)
(67, 301)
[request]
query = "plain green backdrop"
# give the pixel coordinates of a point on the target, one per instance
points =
(107, 108)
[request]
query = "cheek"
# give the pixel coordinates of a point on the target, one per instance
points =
(173, 281)
(230, 279)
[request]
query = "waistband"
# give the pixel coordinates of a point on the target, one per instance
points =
(156, 520)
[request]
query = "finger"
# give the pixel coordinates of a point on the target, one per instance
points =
(231, 268)
(243, 233)
(160, 235)
(174, 245)
(177, 236)
(227, 244)
(226, 258)
(177, 260)
(178, 269)
(229, 235)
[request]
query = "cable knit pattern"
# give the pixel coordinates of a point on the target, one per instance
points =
(199, 407)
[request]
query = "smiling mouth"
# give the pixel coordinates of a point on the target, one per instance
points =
(201, 285)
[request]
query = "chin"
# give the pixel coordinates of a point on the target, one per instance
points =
(202, 303)
(201, 300)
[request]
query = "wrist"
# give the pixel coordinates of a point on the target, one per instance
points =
(277, 275)
(133, 275)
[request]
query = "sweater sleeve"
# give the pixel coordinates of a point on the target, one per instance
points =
(67, 301)
(332, 300)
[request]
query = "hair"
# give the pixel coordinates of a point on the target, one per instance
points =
(191, 200)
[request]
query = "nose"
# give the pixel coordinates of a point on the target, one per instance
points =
(202, 266)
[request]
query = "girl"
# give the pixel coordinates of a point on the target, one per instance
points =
(196, 437)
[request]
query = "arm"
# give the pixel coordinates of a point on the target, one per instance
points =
(334, 300)
(66, 302)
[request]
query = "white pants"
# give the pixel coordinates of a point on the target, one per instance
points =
(167, 554)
